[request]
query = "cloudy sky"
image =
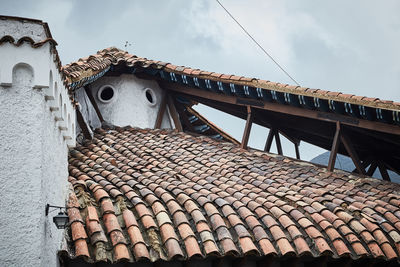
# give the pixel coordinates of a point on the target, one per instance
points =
(347, 46)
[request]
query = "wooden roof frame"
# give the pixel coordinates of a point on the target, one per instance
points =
(251, 106)
(299, 114)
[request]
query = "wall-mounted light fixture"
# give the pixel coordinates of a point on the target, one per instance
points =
(61, 219)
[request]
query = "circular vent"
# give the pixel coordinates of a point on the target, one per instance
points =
(106, 94)
(150, 96)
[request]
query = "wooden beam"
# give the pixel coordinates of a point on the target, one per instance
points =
(295, 141)
(174, 113)
(82, 124)
(184, 118)
(367, 162)
(335, 148)
(372, 168)
(270, 138)
(391, 167)
(94, 103)
(288, 137)
(383, 171)
(264, 120)
(215, 128)
(364, 164)
(352, 152)
(296, 111)
(161, 111)
(247, 129)
(318, 133)
(278, 143)
(268, 119)
(296, 148)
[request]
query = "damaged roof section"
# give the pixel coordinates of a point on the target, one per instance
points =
(151, 195)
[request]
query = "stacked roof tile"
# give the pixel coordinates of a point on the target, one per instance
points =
(161, 195)
(86, 70)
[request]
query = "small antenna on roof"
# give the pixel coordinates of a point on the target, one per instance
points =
(127, 44)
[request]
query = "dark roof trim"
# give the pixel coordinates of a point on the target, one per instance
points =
(89, 69)
(92, 65)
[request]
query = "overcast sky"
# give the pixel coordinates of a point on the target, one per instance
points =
(347, 46)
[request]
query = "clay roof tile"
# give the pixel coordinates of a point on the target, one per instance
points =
(272, 207)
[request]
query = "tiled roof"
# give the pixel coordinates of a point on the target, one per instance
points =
(199, 124)
(26, 39)
(214, 129)
(89, 68)
(158, 194)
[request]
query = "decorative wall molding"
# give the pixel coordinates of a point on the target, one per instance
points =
(48, 80)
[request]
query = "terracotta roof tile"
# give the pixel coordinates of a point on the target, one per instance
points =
(81, 248)
(190, 197)
(86, 68)
(302, 247)
(192, 247)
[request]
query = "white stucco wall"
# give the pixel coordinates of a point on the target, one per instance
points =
(129, 105)
(35, 133)
(87, 110)
(18, 29)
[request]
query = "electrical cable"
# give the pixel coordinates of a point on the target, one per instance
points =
(254, 40)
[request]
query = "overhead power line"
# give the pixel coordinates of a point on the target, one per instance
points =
(254, 40)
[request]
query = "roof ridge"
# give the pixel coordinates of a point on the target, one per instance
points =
(111, 56)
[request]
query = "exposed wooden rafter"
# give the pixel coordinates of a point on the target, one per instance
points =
(317, 115)
(174, 113)
(184, 118)
(82, 124)
(364, 164)
(296, 149)
(340, 136)
(358, 139)
(247, 128)
(94, 103)
(335, 148)
(372, 168)
(394, 168)
(270, 138)
(278, 143)
(383, 171)
(161, 111)
(274, 133)
(352, 152)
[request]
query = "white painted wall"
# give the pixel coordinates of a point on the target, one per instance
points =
(35, 133)
(18, 29)
(37, 125)
(129, 105)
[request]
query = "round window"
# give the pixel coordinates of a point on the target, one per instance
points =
(150, 96)
(106, 94)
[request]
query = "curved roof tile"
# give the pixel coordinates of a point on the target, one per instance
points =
(156, 194)
(89, 67)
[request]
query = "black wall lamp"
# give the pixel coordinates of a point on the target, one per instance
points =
(61, 219)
